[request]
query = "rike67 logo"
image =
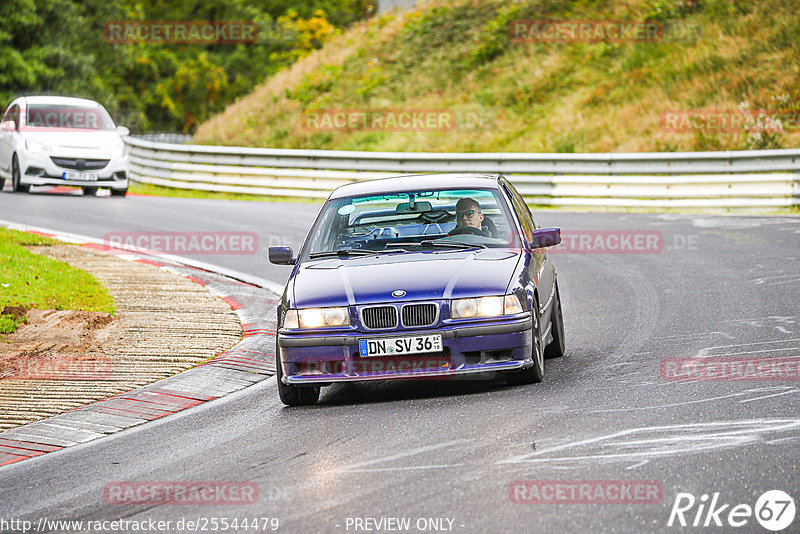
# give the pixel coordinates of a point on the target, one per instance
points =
(774, 510)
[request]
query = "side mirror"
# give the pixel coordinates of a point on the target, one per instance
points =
(8, 126)
(546, 237)
(123, 131)
(281, 256)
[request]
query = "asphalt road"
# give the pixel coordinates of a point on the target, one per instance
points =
(717, 287)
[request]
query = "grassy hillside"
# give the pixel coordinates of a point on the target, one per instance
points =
(537, 97)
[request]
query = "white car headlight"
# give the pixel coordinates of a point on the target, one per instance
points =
(35, 147)
(485, 307)
(317, 318)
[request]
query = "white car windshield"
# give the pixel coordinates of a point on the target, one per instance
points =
(439, 218)
(52, 116)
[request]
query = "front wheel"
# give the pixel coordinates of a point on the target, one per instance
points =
(119, 192)
(16, 177)
(292, 395)
(535, 373)
(556, 348)
(89, 191)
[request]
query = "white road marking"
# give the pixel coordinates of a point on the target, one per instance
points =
(705, 352)
(686, 403)
(410, 468)
(768, 396)
(399, 455)
(670, 440)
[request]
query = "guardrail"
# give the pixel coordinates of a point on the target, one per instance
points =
(759, 178)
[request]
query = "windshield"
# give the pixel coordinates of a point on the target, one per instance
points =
(418, 220)
(52, 116)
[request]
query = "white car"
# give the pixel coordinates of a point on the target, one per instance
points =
(53, 140)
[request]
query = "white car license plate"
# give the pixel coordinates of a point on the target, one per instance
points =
(81, 176)
(394, 346)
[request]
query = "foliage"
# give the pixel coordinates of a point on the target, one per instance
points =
(546, 96)
(58, 47)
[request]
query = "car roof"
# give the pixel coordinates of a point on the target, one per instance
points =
(59, 100)
(415, 182)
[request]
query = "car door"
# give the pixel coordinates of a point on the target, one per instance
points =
(7, 139)
(4, 141)
(539, 270)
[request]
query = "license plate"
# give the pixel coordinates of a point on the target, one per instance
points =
(80, 176)
(393, 346)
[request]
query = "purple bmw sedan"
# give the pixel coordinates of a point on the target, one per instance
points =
(426, 276)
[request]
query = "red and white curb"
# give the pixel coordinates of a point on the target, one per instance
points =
(250, 361)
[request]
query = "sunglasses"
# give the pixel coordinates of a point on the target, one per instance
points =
(466, 214)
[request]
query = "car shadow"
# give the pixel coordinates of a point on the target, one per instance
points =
(398, 390)
(62, 191)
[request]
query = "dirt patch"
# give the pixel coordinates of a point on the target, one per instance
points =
(58, 344)
(18, 312)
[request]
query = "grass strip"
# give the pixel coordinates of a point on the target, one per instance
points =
(29, 280)
(157, 190)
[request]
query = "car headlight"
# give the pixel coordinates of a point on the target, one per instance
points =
(35, 147)
(485, 307)
(317, 318)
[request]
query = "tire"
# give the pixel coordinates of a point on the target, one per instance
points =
(556, 347)
(535, 373)
(89, 191)
(295, 395)
(119, 192)
(16, 177)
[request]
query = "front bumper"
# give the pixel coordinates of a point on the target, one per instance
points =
(467, 349)
(39, 169)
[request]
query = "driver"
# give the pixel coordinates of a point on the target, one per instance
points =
(468, 214)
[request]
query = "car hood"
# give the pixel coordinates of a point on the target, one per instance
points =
(423, 275)
(77, 144)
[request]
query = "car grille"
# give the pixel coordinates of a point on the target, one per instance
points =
(419, 314)
(80, 164)
(379, 317)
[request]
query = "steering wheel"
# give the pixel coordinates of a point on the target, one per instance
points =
(460, 230)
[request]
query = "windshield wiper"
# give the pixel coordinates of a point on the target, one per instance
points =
(438, 244)
(343, 253)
